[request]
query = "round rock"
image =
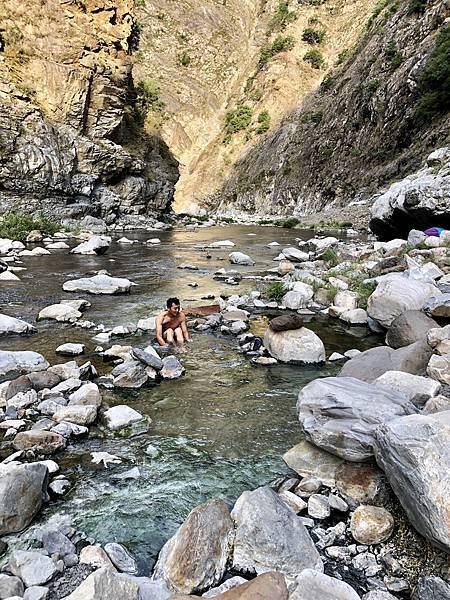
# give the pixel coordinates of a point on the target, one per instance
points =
(371, 524)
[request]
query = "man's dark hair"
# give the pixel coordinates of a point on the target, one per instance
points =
(171, 301)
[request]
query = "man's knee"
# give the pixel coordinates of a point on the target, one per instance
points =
(168, 334)
(179, 335)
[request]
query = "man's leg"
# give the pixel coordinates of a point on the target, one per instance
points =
(168, 335)
(179, 336)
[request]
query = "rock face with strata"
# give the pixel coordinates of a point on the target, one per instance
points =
(414, 452)
(65, 125)
(270, 536)
(295, 345)
(194, 559)
(22, 490)
(341, 414)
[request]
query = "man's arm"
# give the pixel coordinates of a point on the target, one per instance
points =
(184, 329)
(159, 336)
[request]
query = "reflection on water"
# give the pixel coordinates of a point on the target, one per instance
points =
(219, 430)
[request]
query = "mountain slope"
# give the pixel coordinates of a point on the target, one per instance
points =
(359, 131)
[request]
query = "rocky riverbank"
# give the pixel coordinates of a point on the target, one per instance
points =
(364, 512)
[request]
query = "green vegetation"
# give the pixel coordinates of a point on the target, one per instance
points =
(393, 56)
(417, 7)
(331, 257)
(238, 119)
(313, 36)
(379, 8)
(327, 82)
(140, 2)
(333, 224)
(17, 225)
(256, 95)
(371, 87)
(290, 222)
(332, 292)
(275, 291)
(264, 122)
(312, 117)
(280, 44)
(282, 17)
(364, 290)
(148, 99)
(344, 56)
(315, 58)
(435, 80)
(355, 152)
(184, 59)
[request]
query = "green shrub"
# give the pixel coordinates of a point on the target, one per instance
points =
(331, 257)
(332, 292)
(327, 82)
(264, 122)
(16, 225)
(313, 36)
(417, 7)
(256, 95)
(344, 56)
(315, 58)
(380, 6)
(280, 44)
(275, 291)
(184, 59)
(282, 17)
(434, 82)
(290, 222)
(140, 2)
(364, 290)
(370, 87)
(148, 99)
(393, 56)
(238, 119)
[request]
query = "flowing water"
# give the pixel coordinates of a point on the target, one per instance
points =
(219, 430)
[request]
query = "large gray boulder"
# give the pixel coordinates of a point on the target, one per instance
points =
(395, 296)
(409, 327)
(13, 364)
(63, 313)
(295, 345)
(311, 585)
(431, 588)
(22, 490)
(10, 325)
(194, 559)
(270, 536)
(97, 244)
(44, 442)
(33, 568)
(340, 414)
(414, 387)
(239, 258)
(414, 452)
(99, 284)
(10, 585)
(373, 363)
(106, 584)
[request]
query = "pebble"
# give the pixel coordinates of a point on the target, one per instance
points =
(318, 507)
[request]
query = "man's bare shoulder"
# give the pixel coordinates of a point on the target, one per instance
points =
(161, 315)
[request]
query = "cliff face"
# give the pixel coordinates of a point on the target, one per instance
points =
(356, 133)
(66, 113)
(204, 60)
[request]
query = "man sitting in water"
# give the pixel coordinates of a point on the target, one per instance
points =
(171, 325)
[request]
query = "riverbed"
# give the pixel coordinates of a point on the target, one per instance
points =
(219, 430)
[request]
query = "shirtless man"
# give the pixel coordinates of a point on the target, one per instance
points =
(171, 325)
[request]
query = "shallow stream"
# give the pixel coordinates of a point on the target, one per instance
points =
(219, 430)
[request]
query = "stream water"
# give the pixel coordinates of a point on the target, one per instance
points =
(219, 430)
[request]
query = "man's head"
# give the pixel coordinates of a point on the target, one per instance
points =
(173, 306)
